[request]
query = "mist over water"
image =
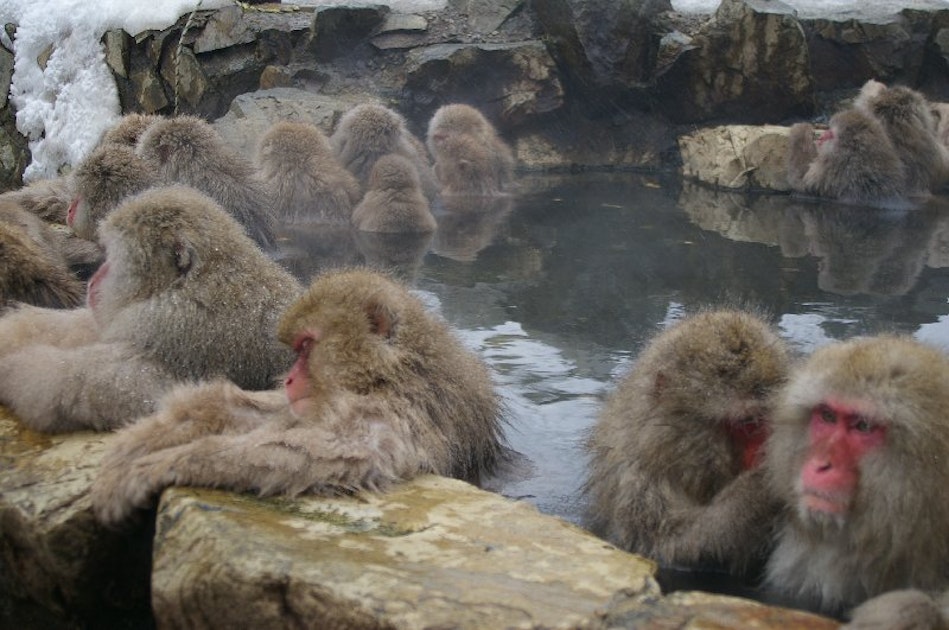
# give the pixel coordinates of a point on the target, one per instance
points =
(560, 286)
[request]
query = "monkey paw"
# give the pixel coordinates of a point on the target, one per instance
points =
(897, 610)
(120, 490)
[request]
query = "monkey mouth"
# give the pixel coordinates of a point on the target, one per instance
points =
(825, 502)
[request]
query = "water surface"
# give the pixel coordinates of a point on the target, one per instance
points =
(559, 287)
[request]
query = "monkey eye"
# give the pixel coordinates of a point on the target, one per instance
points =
(302, 345)
(827, 414)
(862, 425)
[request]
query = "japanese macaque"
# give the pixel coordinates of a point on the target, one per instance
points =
(308, 184)
(48, 199)
(102, 181)
(128, 130)
(853, 161)
(183, 295)
(907, 118)
(381, 391)
(470, 157)
(394, 201)
(675, 453)
(859, 454)
(187, 150)
(33, 274)
(367, 132)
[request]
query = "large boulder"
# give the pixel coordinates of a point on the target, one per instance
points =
(739, 157)
(749, 63)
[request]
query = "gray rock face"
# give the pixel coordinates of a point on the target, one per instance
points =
(749, 63)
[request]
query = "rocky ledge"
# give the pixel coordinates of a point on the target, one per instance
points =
(435, 552)
(570, 83)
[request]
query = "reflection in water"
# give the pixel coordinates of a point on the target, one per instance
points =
(559, 287)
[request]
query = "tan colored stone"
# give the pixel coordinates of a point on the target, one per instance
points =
(737, 156)
(432, 553)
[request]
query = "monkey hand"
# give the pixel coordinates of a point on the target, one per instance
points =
(124, 486)
(897, 610)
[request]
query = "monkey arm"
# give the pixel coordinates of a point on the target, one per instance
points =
(188, 412)
(801, 153)
(28, 325)
(275, 458)
(100, 386)
(734, 529)
(896, 610)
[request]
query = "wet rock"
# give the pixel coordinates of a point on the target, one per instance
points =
(701, 610)
(14, 151)
(435, 552)
(56, 563)
(250, 115)
(749, 63)
(337, 30)
(487, 16)
(509, 83)
(737, 156)
(846, 52)
(604, 43)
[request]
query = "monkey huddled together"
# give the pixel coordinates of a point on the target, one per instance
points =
(217, 368)
(719, 451)
(888, 147)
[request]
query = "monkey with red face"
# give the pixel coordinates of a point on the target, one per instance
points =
(860, 456)
(380, 391)
(853, 161)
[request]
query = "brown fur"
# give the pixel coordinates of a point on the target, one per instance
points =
(367, 132)
(665, 478)
(187, 150)
(894, 535)
(907, 118)
(31, 273)
(129, 129)
(860, 165)
(187, 296)
(470, 157)
(102, 181)
(394, 201)
(297, 163)
(393, 395)
(48, 199)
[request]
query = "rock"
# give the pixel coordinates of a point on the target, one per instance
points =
(702, 610)
(116, 43)
(55, 560)
(250, 115)
(737, 156)
(633, 140)
(487, 16)
(336, 31)
(603, 43)
(432, 553)
(14, 151)
(749, 63)
(509, 83)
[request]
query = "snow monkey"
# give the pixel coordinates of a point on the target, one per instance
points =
(367, 132)
(296, 161)
(183, 295)
(394, 201)
(853, 161)
(909, 123)
(380, 391)
(102, 181)
(470, 157)
(860, 456)
(675, 455)
(187, 150)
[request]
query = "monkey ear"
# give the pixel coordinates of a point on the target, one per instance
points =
(185, 257)
(382, 320)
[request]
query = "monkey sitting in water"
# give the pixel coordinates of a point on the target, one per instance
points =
(380, 392)
(675, 469)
